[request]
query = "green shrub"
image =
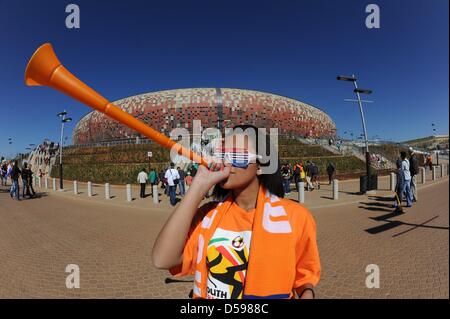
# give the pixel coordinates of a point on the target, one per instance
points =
(120, 164)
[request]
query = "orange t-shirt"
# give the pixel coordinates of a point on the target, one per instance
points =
(229, 250)
(227, 255)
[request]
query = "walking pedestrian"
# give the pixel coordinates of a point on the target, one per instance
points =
(315, 176)
(429, 162)
(15, 174)
(163, 181)
(406, 187)
(173, 178)
(30, 181)
(297, 171)
(142, 179)
(286, 175)
(414, 170)
(152, 178)
(4, 170)
(25, 176)
(181, 183)
(308, 171)
(330, 172)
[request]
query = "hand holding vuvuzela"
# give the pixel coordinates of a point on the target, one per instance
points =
(44, 68)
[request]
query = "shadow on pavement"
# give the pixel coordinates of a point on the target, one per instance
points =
(414, 226)
(390, 224)
(375, 209)
(350, 193)
(387, 216)
(382, 198)
(171, 280)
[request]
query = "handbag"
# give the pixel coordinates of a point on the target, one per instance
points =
(175, 181)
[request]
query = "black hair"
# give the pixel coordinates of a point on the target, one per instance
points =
(271, 182)
(172, 165)
(403, 155)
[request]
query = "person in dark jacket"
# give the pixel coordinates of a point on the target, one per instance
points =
(330, 172)
(414, 170)
(181, 183)
(25, 178)
(163, 182)
(15, 174)
(30, 181)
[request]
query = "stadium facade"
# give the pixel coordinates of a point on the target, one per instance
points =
(215, 107)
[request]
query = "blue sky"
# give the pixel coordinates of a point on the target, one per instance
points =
(292, 48)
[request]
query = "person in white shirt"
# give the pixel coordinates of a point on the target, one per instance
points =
(406, 187)
(142, 179)
(172, 178)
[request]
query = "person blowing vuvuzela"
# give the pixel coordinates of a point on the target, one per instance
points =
(250, 242)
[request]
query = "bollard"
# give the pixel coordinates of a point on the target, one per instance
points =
(89, 186)
(155, 194)
(54, 184)
(34, 181)
(335, 189)
(424, 172)
(433, 173)
(46, 182)
(107, 195)
(39, 182)
(75, 187)
(442, 170)
(392, 181)
(301, 192)
(128, 192)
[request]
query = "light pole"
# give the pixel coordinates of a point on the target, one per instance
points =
(9, 146)
(358, 92)
(62, 115)
(437, 144)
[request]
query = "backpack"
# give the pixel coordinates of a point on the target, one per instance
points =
(315, 170)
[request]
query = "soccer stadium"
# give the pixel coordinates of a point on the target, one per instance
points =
(215, 107)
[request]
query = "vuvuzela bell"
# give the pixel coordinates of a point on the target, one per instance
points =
(45, 69)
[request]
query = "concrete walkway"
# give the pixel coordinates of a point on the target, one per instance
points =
(111, 242)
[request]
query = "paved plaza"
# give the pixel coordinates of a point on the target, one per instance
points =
(111, 242)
